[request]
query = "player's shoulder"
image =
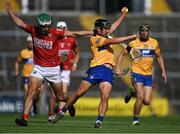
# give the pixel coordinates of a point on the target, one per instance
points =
(153, 41)
(24, 52)
(134, 41)
(54, 30)
(96, 37)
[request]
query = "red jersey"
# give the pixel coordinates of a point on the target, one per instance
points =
(45, 48)
(66, 53)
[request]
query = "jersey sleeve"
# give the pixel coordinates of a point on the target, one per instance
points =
(98, 41)
(131, 44)
(20, 56)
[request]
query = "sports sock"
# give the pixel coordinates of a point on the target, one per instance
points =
(59, 110)
(25, 116)
(64, 110)
(100, 118)
(136, 118)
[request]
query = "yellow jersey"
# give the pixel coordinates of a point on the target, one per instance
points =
(148, 49)
(26, 57)
(102, 54)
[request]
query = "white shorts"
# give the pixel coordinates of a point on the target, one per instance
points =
(51, 74)
(65, 74)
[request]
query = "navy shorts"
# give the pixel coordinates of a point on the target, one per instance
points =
(146, 80)
(25, 80)
(98, 74)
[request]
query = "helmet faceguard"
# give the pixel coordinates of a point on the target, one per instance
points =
(61, 25)
(44, 19)
(44, 23)
(144, 27)
(144, 31)
(102, 23)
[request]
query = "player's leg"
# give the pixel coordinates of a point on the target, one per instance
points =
(25, 82)
(83, 88)
(65, 88)
(131, 93)
(52, 103)
(105, 89)
(148, 84)
(34, 84)
(57, 90)
(65, 84)
(37, 98)
(147, 95)
(139, 101)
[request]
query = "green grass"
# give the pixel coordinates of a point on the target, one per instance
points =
(85, 124)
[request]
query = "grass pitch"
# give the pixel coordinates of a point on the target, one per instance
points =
(85, 124)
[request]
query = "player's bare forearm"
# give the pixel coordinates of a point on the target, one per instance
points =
(78, 33)
(161, 63)
(162, 66)
(117, 23)
(119, 39)
(16, 66)
(14, 18)
(76, 59)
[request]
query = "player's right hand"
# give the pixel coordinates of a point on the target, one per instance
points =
(165, 77)
(124, 10)
(8, 6)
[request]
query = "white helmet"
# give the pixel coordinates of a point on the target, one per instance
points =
(29, 38)
(61, 24)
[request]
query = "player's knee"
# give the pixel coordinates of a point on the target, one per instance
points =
(105, 97)
(31, 92)
(78, 94)
(146, 102)
(60, 98)
(140, 97)
(65, 95)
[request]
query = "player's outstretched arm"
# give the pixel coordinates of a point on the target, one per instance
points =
(161, 64)
(17, 66)
(119, 39)
(78, 33)
(76, 58)
(117, 23)
(13, 17)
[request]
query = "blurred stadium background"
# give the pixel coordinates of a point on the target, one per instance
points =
(162, 15)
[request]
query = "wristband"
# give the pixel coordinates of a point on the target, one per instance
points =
(128, 48)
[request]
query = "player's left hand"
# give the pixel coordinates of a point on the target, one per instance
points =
(164, 77)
